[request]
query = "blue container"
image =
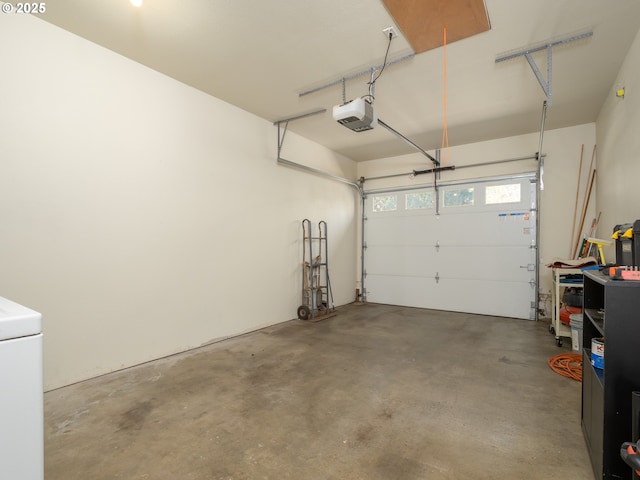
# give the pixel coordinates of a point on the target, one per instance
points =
(597, 352)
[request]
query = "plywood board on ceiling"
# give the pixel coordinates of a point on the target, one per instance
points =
(422, 21)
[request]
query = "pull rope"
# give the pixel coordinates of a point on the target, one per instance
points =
(445, 132)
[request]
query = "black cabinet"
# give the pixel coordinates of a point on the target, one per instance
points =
(612, 311)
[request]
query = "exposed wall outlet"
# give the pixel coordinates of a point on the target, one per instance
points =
(390, 30)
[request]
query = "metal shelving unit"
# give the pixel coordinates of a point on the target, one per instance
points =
(562, 278)
(611, 310)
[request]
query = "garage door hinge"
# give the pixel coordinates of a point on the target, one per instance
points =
(437, 277)
(364, 245)
(364, 274)
(437, 246)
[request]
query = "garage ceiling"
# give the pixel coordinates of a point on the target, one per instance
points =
(260, 55)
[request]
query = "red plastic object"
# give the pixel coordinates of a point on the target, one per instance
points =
(566, 312)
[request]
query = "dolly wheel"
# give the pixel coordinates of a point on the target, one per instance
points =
(304, 312)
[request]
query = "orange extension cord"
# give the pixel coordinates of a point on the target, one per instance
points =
(568, 365)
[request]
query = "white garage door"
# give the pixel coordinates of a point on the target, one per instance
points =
(476, 256)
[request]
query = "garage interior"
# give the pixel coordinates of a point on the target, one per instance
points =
(157, 164)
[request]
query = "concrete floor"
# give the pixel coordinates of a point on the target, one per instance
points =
(377, 392)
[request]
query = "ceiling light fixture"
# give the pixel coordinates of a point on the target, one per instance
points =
(136, 3)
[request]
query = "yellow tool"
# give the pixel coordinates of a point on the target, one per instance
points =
(599, 242)
(627, 234)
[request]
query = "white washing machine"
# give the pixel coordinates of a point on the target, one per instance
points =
(21, 393)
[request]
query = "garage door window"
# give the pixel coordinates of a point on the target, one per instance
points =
(385, 203)
(417, 201)
(461, 197)
(498, 194)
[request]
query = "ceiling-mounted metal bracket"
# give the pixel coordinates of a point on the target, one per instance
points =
(548, 46)
(286, 121)
(281, 161)
(367, 71)
(300, 115)
(546, 85)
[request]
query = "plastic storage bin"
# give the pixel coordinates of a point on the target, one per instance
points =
(576, 332)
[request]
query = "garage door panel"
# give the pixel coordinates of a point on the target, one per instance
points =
(491, 297)
(401, 290)
(483, 228)
(468, 262)
(411, 261)
(387, 230)
(476, 257)
(487, 297)
(485, 262)
(379, 231)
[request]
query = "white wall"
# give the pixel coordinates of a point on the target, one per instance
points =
(562, 149)
(618, 128)
(143, 217)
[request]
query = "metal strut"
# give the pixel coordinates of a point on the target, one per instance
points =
(355, 75)
(281, 161)
(548, 46)
(286, 125)
(539, 188)
(414, 145)
(415, 173)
